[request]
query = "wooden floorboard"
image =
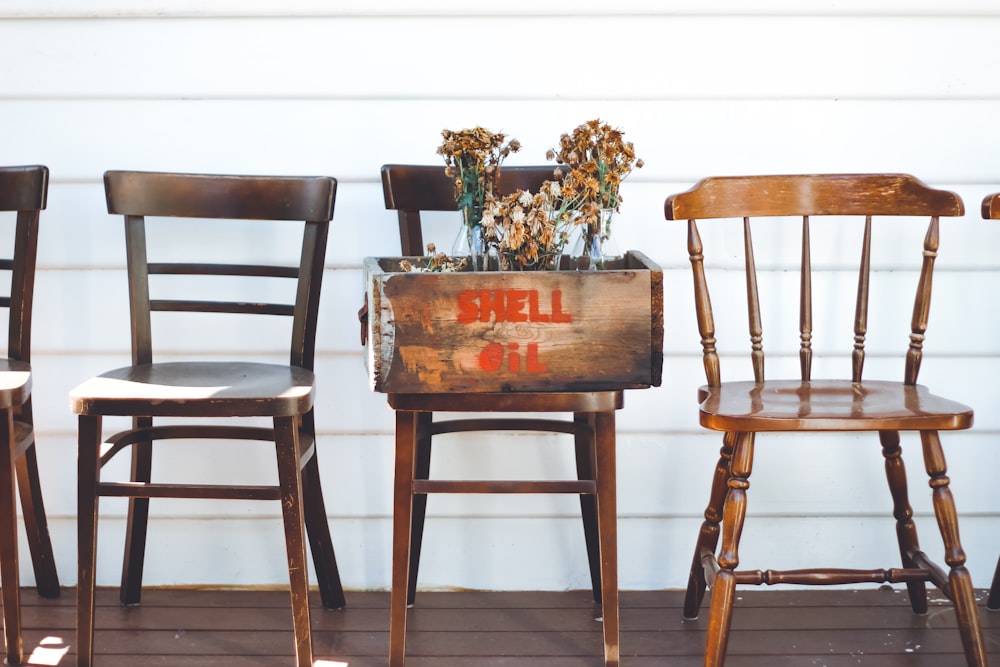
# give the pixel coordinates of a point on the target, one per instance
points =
(244, 628)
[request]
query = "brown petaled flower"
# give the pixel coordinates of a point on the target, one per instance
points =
(472, 159)
(435, 262)
(529, 230)
(599, 159)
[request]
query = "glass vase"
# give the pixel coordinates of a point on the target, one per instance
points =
(469, 242)
(593, 247)
(547, 262)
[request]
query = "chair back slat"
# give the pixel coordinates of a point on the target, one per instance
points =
(24, 190)
(805, 197)
(805, 304)
(753, 305)
(409, 189)
(861, 304)
(306, 201)
(233, 307)
(197, 269)
(922, 303)
(703, 307)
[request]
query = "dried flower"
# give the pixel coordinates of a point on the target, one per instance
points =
(598, 159)
(527, 229)
(472, 159)
(436, 262)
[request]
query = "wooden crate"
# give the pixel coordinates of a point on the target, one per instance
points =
(513, 331)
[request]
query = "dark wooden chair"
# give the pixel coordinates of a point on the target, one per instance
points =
(409, 190)
(199, 396)
(991, 211)
(742, 409)
(22, 190)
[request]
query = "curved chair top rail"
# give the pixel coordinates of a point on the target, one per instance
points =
(24, 188)
(991, 207)
(815, 194)
(301, 198)
(411, 187)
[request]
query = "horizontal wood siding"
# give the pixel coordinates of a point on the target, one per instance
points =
(702, 88)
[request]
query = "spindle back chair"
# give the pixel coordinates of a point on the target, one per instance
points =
(991, 211)
(775, 402)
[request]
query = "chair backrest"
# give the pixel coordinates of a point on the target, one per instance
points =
(24, 190)
(308, 201)
(799, 198)
(410, 189)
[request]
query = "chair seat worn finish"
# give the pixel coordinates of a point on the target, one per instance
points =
(770, 403)
(23, 191)
(225, 391)
(409, 190)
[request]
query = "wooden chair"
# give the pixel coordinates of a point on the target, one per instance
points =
(991, 211)
(410, 189)
(22, 190)
(189, 392)
(741, 410)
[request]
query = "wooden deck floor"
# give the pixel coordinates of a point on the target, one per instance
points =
(772, 628)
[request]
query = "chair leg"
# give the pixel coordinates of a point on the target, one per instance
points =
(708, 536)
(402, 518)
(318, 531)
(961, 582)
(906, 530)
(9, 578)
(88, 471)
(36, 527)
(286, 438)
(993, 602)
(137, 523)
(606, 464)
(585, 466)
(724, 588)
(422, 470)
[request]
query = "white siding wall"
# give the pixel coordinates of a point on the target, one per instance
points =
(702, 88)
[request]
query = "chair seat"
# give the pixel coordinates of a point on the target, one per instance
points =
(15, 383)
(828, 405)
(197, 389)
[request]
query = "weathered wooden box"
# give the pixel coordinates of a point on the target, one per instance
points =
(513, 331)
